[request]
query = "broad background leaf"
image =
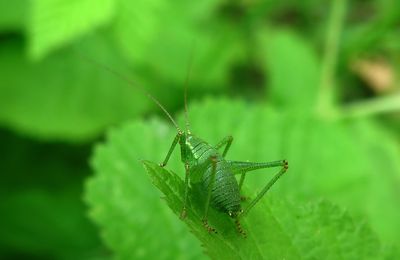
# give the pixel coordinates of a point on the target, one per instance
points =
(336, 160)
(13, 16)
(56, 23)
(277, 230)
(75, 108)
(293, 69)
(119, 190)
(123, 202)
(145, 30)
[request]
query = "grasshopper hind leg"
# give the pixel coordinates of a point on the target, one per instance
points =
(244, 167)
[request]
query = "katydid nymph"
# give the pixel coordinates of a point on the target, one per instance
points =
(206, 167)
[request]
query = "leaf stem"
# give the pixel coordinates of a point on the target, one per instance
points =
(325, 105)
(371, 107)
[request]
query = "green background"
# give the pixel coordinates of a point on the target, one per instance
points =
(295, 80)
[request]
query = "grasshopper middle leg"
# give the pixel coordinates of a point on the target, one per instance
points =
(187, 172)
(213, 161)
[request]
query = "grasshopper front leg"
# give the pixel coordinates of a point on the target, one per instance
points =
(187, 172)
(171, 149)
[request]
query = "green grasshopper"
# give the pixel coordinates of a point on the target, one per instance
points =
(207, 167)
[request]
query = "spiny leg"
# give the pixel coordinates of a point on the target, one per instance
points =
(242, 176)
(267, 187)
(226, 141)
(171, 149)
(239, 227)
(187, 172)
(243, 167)
(213, 160)
(239, 167)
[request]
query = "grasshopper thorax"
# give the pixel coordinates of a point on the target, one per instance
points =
(188, 144)
(194, 150)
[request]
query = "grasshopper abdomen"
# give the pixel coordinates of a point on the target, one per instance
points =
(225, 195)
(201, 157)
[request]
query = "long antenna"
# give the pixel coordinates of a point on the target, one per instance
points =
(134, 84)
(186, 89)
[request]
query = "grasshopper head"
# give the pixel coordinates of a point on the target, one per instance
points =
(184, 137)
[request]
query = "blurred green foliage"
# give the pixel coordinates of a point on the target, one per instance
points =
(288, 73)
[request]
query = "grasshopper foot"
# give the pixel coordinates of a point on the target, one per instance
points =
(208, 227)
(240, 229)
(286, 164)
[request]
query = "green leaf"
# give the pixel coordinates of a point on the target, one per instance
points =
(353, 163)
(293, 70)
(144, 31)
(326, 159)
(227, 243)
(13, 16)
(64, 96)
(134, 220)
(276, 229)
(55, 23)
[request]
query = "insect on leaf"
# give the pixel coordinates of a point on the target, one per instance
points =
(277, 229)
(136, 222)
